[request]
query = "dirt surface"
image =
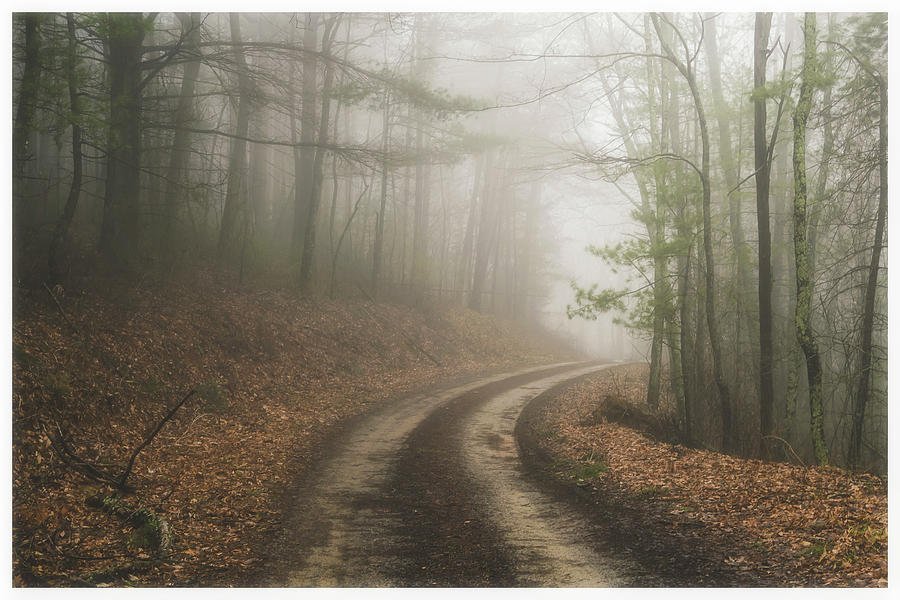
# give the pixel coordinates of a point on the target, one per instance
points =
(428, 492)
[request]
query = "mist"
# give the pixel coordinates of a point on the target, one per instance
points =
(626, 182)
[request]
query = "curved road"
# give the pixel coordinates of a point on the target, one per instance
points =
(430, 491)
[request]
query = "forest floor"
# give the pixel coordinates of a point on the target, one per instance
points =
(765, 523)
(97, 366)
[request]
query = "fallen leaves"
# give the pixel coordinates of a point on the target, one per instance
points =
(785, 524)
(288, 370)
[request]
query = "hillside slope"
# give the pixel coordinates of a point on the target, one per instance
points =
(716, 518)
(273, 374)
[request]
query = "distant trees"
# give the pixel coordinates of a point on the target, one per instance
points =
(241, 140)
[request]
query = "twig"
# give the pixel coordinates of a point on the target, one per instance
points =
(73, 460)
(60, 308)
(783, 441)
(169, 415)
(65, 554)
(412, 344)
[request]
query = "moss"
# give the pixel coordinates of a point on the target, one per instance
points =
(214, 398)
(652, 491)
(589, 471)
(148, 527)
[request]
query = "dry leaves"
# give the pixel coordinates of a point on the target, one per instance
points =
(277, 372)
(785, 524)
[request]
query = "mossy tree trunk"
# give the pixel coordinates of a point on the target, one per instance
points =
(715, 341)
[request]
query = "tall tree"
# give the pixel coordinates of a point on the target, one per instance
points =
(730, 169)
(179, 159)
(315, 195)
(762, 165)
(237, 162)
(686, 68)
(120, 228)
(305, 155)
(379, 221)
(805, 287)
(61, 231)
(27, 100)
(861, 397)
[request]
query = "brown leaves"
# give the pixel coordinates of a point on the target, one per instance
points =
(800, 526)
(288, 370)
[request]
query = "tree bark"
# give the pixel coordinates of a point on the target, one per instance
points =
(763, 169)
(119, 230)
(861, 398)
(805, 288)
(728, 434)
(486, 230)
(379, 221)
(304, 158)
(29, 88)
(237, 161)
(463, 269)
(181, 145)
(61, 231)
(309, 239)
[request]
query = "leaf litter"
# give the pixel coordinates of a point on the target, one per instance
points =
(274, 372)
(772, 522)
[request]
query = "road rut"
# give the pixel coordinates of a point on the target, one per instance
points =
(429, 491)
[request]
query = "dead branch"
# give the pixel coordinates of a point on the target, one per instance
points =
(68, 456)
(60, 308)
(412, 344)
(783, 441)
(124, 477)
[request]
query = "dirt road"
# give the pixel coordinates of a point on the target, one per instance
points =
(429, 491)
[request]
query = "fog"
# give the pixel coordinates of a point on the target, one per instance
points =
(727, 171)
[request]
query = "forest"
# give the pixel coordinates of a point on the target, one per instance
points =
(720, 179)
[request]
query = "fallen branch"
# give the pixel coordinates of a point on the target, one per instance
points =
(69, 457)
(124, 477)
(783, 441)
(60, 308)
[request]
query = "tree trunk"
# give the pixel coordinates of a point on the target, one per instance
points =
(237, 161)
(379, 221)
(28, 92)
(486, 230)
(61, 231)
(463, 269)
(176, 175)
(304, 158)
(865, 349)
(119, 230)
(728, 429)
(309, 239)
(762, 166)
(803, 312)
